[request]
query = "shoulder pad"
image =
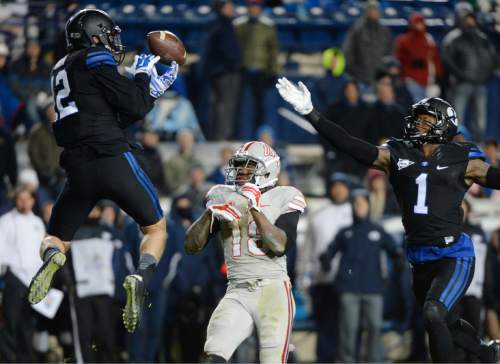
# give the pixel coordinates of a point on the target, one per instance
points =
(241, 20)
(293, 199)
(99, 57)
(265, 20)
(397, 144)
(475, 152)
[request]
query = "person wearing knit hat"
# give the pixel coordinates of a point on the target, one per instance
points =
(469, 59)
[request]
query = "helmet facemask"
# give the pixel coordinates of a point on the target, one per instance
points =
(438, 132)
(111, 40)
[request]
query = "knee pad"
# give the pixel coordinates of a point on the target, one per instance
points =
(213, 358)
(434, 312)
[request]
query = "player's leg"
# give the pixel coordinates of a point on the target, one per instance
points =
(275, 311)
(132, 190)
(69, 212)
(451, 279)
(229, 325)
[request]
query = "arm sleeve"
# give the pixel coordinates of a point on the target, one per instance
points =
(493, 178)
(362, 151)
(288, 223)
(131, 98)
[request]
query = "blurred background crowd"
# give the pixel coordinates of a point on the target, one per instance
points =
(365, 63)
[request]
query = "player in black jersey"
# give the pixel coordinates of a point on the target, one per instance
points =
(94, 103)
(430, 175)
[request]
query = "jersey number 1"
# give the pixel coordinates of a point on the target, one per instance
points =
(64, 106)
(421, 207)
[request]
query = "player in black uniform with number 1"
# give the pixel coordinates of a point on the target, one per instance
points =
(94, 103)
(430, 175)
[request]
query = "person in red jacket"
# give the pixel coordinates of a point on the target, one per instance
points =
(418, 54)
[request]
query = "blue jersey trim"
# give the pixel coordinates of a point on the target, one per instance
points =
(463, 248)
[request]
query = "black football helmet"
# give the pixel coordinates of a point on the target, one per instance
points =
(85, 24)
(445, 128)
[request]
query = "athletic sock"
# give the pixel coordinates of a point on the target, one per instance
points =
(147, 265)
(49, 252)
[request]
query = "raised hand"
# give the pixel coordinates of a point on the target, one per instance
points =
(299, 97)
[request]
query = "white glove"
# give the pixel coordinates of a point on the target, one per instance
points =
(144, 63)
(158, 84)
(298, 97)
(224, 212)
(252, 193)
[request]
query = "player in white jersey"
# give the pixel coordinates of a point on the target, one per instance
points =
(255, 220)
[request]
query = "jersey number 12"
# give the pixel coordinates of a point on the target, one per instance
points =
(421, 207)
(60, 88)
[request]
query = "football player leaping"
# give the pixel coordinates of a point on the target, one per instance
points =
(255, 220)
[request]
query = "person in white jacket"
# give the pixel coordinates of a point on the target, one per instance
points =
(20, 234)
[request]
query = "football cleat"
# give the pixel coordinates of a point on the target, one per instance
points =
(490, 352)
(134, 288)
(41, 282)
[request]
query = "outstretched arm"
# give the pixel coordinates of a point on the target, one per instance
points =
(483, 174)
(364, 152)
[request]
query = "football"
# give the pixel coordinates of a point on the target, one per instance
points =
(166, 45)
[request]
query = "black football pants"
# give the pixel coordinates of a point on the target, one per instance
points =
(438, 287)
(118, 178)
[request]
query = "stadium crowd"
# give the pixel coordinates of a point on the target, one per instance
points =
(354, 295)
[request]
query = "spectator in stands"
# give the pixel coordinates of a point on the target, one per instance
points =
(197, 187)
(171, 114)
(365, 45)
(44, 152)
(382, 199)
(323, 227)
(178, 168)
(8, 101)
(469, 58)
(92, 261)
(20, 234)
(418, 54)
(328, 89)
(194, 284)
(221, 65)
(353, 115)
(471, 305)
(258, 41)
(491, 290)
(491, 151)
(150, 159)
(8, 168)
(218, 175)
(29, 75)
(386, 116)
(360, 280)
(392, 68)
(144, 344)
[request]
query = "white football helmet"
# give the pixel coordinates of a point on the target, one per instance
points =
(257, 156)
